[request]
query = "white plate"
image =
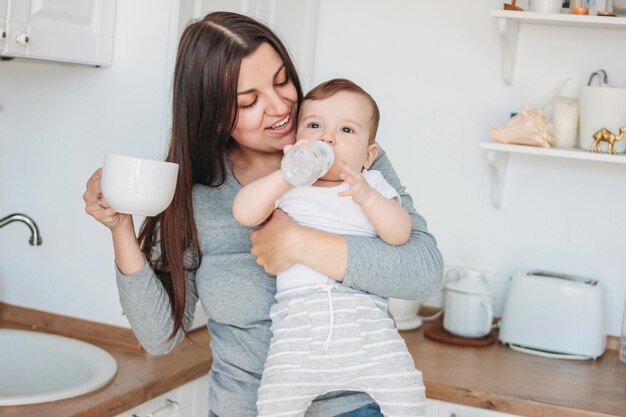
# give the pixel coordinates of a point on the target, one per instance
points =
(410, 324)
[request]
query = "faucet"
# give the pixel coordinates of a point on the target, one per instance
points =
(35, 237)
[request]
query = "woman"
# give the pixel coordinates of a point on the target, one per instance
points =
(236, 94)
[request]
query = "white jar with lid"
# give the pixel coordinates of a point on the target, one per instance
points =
(468, 307)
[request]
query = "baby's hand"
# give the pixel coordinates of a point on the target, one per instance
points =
(359, 189)
(298, 143)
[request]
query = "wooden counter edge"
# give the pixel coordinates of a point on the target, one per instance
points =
(504, 403)
(28, 318)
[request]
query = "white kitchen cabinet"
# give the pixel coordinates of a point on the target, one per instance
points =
(431, 407)
(74, 31)
(189, 400)
(509, 22)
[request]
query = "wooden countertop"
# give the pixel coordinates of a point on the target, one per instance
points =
(497, 378)
(493, 377)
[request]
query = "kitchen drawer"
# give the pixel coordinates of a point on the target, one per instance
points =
(189, 400)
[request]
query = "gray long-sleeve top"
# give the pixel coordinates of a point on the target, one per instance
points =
(237, 295)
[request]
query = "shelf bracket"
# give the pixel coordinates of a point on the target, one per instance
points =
(497, 169)
(508, 30)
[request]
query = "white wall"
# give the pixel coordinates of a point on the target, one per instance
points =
(56, 123)
(435, 70)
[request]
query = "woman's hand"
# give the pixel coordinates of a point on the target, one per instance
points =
(97, 207)
(274, 243)
(128, 255)
(281, 242)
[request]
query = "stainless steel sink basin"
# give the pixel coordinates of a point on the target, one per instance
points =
(38, 367)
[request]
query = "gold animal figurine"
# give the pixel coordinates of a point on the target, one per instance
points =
(604, 135)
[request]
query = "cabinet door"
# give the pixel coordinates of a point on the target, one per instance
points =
(77, 31)
(3, 25)
(200, 397)
(455, 410)
(432, 407)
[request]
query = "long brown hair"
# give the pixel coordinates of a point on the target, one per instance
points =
(204, 113)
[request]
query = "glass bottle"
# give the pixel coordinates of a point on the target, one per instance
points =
(579, 6)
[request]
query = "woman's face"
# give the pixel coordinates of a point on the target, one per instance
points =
(267, 101)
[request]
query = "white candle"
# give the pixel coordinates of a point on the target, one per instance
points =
(565, 121)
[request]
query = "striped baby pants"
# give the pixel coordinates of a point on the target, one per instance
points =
(335, 338)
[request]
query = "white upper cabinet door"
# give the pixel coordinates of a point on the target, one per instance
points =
(76, 31)
(3, 25)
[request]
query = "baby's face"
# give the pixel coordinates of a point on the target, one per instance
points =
(342, 121)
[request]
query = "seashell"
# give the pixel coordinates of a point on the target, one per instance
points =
(529, 127)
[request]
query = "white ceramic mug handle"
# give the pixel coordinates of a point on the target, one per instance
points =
(489, 316)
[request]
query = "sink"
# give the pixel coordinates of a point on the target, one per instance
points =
(38, 367)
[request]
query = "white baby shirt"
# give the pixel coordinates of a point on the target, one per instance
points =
(321, 208)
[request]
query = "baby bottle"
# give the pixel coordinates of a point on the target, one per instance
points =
(302, 165)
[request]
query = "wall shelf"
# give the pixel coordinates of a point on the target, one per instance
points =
(509, 21)
(498, 153)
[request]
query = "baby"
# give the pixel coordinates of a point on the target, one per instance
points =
(326, 336)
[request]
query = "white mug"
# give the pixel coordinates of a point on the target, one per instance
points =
(138, 186)
(467, 314)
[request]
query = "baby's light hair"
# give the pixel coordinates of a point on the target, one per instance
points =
(331, 87)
